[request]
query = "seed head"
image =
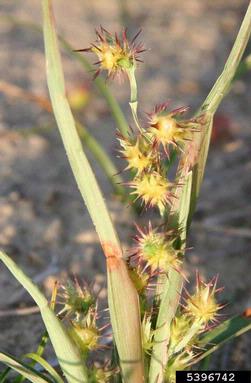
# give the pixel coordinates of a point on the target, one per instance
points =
(167, 130)
(202, 305)
(77, 300)
(147, 334)
(140, 278)
(85, 333)
(157, 250)
(179, 328)
(101, 374)
(153, 189)
(138, 153)
(116, 55)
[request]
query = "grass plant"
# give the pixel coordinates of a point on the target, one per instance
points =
(158, 327)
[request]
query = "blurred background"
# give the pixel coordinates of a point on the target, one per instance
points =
(43, 223)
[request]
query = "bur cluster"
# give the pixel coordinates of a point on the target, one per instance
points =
(150, 149)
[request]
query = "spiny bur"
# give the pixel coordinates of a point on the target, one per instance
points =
(115, 55)
(157, 250)
(98, 374)
(147, 334)
(85, 333)
(154, 189)
(166, 129)
(138, 153)
(202, 305)
(180, 326)
(76, 300)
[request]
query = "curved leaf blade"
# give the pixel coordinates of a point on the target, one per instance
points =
(23, 369)
(47, 367)
(226, 331)
(128, 342)
(68, 356)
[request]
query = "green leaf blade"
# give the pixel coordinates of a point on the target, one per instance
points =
(25, 370)
(224, 332)
(125, 323)
(47, 367)
(89, 189)
(68, 356)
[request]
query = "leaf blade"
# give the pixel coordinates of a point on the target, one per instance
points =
(23, 369)
(89, 189)
(226, 331)
(47, 367)
(68, 356)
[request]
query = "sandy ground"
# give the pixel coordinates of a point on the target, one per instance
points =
(43, 223)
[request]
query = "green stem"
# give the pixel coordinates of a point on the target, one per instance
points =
(167, 310)
(134, 96)
(169, 289)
